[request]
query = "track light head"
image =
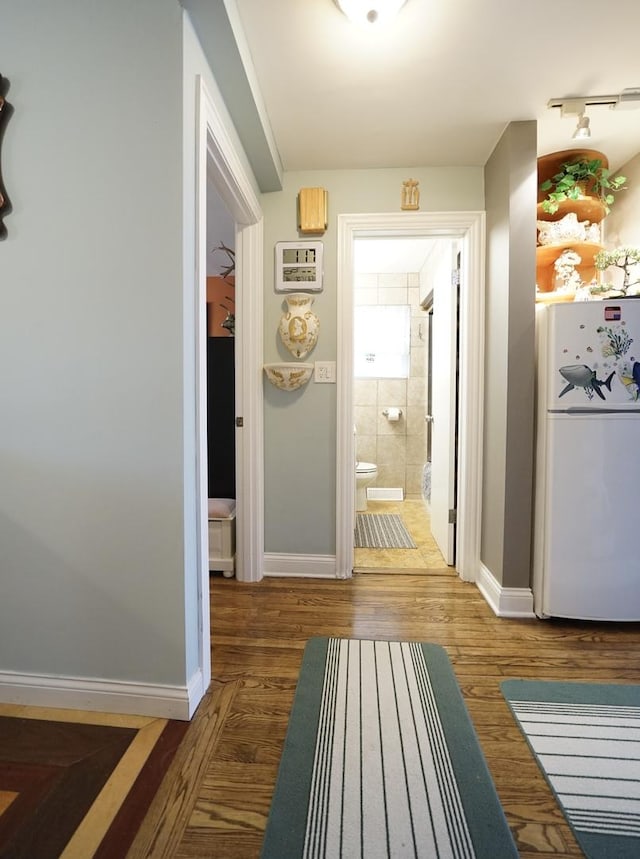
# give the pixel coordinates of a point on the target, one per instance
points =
(582, 132)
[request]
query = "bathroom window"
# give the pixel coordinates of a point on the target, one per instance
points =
(381, 336)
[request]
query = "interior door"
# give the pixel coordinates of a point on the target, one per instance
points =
(444, 403)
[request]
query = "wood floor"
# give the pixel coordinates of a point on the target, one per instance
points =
(215, 799)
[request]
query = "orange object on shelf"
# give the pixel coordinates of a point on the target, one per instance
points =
(554, 297)
(220, 301)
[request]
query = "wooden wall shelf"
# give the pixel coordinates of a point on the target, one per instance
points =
(586, 208)
(546, 255)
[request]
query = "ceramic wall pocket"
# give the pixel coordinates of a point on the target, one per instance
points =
(288, 377)
(299, 326)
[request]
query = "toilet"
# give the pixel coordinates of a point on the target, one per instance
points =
(366, 473)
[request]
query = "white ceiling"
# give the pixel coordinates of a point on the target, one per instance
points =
(439, 86)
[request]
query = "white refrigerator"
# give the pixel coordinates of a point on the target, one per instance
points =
(587, 495)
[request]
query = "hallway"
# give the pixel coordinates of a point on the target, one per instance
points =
(216, 797)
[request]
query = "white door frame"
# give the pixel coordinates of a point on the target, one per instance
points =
(214, 147)
(469, 228)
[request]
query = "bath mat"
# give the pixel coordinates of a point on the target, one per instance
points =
(381, 531)
(381, 760)
(586, 740)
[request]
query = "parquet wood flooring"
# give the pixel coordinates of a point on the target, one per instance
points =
(77, 785)
(215, 799)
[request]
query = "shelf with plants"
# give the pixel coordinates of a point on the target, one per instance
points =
(573, 182)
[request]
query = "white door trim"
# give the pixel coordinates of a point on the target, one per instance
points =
(214, 147)
(469, 228)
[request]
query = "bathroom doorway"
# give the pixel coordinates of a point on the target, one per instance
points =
(398, 282)
(468, 229)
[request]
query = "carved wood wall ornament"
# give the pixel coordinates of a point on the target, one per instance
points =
(5, 112)
(410, 195)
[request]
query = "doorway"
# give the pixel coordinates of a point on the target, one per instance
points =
(397, 283)
(221, 465)
(468, 229)
(216, 161)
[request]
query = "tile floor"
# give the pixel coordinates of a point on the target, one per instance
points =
(425, 559)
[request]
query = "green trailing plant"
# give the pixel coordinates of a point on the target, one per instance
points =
(626, 259)
(576, 177)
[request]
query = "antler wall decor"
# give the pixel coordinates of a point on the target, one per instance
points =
(5, 112)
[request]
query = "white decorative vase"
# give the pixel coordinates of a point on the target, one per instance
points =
(299, 325)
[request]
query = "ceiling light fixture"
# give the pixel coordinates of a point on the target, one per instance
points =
(628, 99)
(370, 11)
(582, 132)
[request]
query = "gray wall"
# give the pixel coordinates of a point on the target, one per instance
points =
(95, 541)
(511, 186)
(300, 426)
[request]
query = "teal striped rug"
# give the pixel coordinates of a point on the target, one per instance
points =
(586, 740)
(381, 761)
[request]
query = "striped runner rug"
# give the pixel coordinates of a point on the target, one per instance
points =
(381, 761)
(586, 740)
(381, 531)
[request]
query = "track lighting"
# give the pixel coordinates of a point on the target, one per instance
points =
(628, 99)
(370, 11)
(582, 132)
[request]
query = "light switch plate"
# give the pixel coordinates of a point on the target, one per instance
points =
(325, 371)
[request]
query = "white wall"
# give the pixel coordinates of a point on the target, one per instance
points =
(91, 343)
(622, 227)
(300, 426)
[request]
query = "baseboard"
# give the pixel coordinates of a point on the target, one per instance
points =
(80, 693)
(385, 493)
(505, 602)
(301, 566)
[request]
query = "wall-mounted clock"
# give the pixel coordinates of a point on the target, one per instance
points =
(298, 266)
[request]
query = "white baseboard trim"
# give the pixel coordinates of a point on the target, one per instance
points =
(301, 566)
(505, 602)
(385, 493)
(81, 693)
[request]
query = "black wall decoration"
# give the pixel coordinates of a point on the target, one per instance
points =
(5, 112)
